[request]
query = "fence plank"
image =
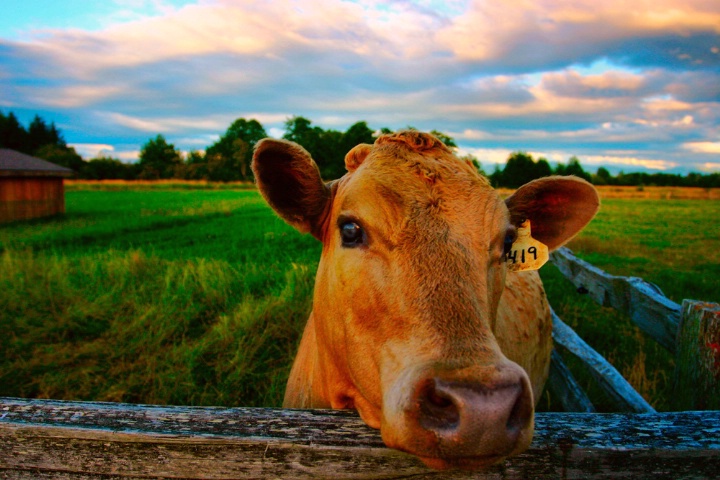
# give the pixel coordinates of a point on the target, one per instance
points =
(655, 314)
(562, 384)
(697, 366)
(606, 375)
(56, 439)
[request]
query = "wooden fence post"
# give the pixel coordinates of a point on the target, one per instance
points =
(697, 370)
(647, 307)
(562, 384)
(607, 376)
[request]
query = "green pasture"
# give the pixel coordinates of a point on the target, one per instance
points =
(673, 244)
(198, 296)
(154, 295)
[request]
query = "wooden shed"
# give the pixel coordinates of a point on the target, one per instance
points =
(30, 187)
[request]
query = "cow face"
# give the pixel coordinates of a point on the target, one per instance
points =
(408, 288)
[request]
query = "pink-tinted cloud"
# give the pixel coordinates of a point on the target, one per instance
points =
(530, 34)
(583, 76)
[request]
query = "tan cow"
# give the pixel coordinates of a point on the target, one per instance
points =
(416, 322)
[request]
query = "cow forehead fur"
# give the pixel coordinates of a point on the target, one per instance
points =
(416, 181)
(439, 217)
(424, 155)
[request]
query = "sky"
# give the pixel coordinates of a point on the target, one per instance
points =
(631, 86)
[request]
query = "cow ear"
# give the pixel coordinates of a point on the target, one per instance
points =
(557, 207)
(290, 182)
(356, 156)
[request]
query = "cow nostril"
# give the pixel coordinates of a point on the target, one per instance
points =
(520, 414)
(452, 410)
(438, 409)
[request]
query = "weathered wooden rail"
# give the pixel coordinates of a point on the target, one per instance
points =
(57, 439)
(691, 331)
(90, 440)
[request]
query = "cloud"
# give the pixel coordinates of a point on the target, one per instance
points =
(695, 86)
(128, 156)
(487, 156)
(571, 76)
(163, 125)
(74, 95)
(709, 167)
(609, 84)
(703, 147)
(629, 162)
(532, 35)
(93, 150)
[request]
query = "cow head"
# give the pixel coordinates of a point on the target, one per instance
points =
(407, 291)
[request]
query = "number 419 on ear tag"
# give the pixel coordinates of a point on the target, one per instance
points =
(526, 253)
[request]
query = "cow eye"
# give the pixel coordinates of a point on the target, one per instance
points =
(510, 237)
(352, 234)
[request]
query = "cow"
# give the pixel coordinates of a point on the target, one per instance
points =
(416, 322)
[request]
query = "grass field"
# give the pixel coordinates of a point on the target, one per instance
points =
(154, 295)
(196, 295)
(670, 243)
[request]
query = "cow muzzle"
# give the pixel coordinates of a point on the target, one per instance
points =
(469, 418)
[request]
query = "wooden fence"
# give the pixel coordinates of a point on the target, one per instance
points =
(91, 440)
(690, 331)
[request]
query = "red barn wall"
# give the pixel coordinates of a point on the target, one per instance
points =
(22, 198)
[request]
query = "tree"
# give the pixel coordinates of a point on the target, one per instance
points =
(235, 166)
(103, 168)
(542, 168)
(158, 159)
(335, 145)
(327, 147)
(602, 177)
(356, 134)
(301, 131)
(64, 156)
(519, 169)
(12, 134)
(496, 176)
(40, 134)
(574, 168)
(40, 140)
(331, 152)
(194, 168)
(231, 155)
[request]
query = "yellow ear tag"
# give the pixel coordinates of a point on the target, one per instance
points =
(526, 253)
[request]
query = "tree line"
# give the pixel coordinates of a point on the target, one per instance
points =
(39, 140)
(521, 168)
(228, 159)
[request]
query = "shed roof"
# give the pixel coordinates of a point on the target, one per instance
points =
(17, 164)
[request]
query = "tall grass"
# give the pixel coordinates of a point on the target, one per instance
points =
(173, 297)
(125, 326)
(671, 243)
(199, 296)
